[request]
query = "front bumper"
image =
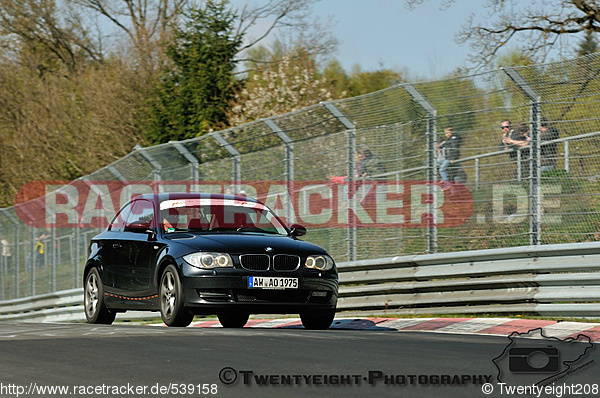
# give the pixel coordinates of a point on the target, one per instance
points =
(209, 292)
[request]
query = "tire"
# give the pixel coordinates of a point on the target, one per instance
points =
(172, 310)
(233, 319)
(93, 300)
(320, 320)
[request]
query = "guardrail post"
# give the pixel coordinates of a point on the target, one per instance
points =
(351, 162)
(432, 242)
(535, 154)
(235, 156)
(193, 160)
(289, 164)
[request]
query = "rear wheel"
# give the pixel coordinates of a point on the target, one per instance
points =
(172, 310)
(317, 320)
(233, 319)
(93, 300)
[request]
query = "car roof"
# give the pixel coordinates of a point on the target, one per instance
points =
(161, 197)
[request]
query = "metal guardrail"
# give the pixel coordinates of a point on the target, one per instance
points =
(557, 280)
(561, 280)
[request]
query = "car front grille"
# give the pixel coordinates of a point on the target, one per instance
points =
(286, 262)
(272, 296)
(254, 262)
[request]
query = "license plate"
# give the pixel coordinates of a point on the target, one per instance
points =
(261, 282)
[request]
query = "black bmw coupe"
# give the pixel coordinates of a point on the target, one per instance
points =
(188, 254)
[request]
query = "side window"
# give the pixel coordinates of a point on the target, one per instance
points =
(118, 223)
(141, 215)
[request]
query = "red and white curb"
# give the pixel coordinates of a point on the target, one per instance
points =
(490, 326)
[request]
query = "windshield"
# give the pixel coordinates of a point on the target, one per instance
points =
(218, 215)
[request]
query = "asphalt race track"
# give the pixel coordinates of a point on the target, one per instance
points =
(295, 362)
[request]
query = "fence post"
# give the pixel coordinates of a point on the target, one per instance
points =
(351, 153)
(432, 241)
(289, 164)
(534, 159)
(193, 160)
(16, 260)
(76, 253)
(113, 170)
(98, 192)
(235, 156)
(519, 168)
(32, 262)
(476, 174)
(156, 167)
(3, 264)
(566, 156)
(52, 253)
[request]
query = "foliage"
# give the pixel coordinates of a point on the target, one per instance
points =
(193, 95)
(287, 84)
(367, 82)
(588, 45)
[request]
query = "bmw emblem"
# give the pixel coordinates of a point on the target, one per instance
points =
(268, 249)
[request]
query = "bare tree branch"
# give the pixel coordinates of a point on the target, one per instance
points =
(534, 27)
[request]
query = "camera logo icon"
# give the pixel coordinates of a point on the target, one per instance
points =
(533, 360)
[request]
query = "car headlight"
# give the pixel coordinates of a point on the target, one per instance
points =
(208, 260)
(322, 262)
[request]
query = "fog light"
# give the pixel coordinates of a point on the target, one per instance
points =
(319, 294)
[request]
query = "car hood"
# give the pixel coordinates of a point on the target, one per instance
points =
(238, 243)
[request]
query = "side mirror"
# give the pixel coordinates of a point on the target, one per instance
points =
(138, 227)
(297, 230)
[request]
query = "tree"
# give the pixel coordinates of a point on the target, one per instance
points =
(197, 86)
(537, 26)
(146, 23)
(288, 83)
(45, 37)
(337, 79)
(588, 45)
(368, 82)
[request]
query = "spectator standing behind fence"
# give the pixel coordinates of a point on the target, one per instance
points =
(441, 159)
(6, 253)
(548, 152)
(40, 249)
(452, 153)
(513, 139)
(443, 163)
(368, 164)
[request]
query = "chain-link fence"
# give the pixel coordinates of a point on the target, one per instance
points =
(541, 191)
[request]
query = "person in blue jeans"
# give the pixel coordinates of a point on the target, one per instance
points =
(443, 163)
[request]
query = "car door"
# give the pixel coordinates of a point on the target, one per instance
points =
(111, 248)
(139, 249)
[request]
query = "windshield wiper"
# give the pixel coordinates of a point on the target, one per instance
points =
(256, 229)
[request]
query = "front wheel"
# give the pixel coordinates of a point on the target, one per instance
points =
(317, 320)
(233, 319)
(172, 310)
(93, 300)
